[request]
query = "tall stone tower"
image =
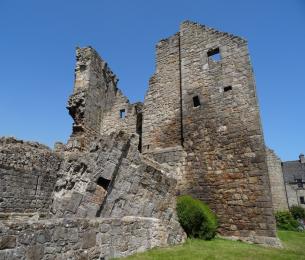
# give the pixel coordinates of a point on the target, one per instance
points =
(201, 115)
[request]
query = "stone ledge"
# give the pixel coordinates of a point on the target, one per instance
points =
(98, 238)
(260, 240)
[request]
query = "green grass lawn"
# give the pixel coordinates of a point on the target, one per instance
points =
(293, 242)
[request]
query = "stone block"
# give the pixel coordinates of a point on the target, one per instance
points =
(7, 242)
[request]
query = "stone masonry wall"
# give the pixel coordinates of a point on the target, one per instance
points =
(27, 176)
(175, 159)
(134, 186)
(96, 101)
(78, 191)
(226, 161)
(162, 114)
(278, 191)
(78, 239)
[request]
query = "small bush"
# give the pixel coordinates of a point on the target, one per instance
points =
(196, 218)
(285, 221)
(297, 212)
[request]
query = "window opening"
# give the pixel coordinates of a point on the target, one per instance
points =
(226, 89)
(196, 101)
(122, 113)
(214, 54)
(302, 200)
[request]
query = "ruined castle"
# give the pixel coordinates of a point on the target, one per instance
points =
(111, 189)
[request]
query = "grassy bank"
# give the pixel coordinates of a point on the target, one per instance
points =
(293, 242)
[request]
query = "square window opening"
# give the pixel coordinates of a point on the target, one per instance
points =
(196, 101)
(122, 113)
(227, 88)
(302, 200)
(214, 54)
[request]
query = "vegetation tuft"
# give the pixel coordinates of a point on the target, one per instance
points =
(196, 218)
(297, 212)
(285, 221)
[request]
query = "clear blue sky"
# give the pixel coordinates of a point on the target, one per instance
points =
(38, 40)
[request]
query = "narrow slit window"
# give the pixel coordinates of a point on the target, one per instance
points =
(103, 182)
(302, 200)
(122, 113)
(227, 88)
(214, 54)
(196, 101)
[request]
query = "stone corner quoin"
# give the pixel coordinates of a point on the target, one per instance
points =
(111, 190)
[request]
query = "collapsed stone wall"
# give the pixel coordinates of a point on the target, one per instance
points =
(279, 198)
(98, 238)
(97, 106)
(112, 179)
(27, 176)
(84, 176)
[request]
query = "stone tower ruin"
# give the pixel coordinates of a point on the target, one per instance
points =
(197, 132)
(200, 116)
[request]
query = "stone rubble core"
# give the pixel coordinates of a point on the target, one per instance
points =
(111, 190)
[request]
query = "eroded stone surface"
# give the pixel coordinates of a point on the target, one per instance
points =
(27, 176)
(82, 238)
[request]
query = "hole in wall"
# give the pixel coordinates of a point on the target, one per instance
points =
(139, 130)
(82, 67)
(196, 101)
(214, 54)
(122, 113)
(103, 182)
(226, 89)
(302, 200)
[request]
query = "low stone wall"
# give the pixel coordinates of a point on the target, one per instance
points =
(98, 238)
(279, 199)
(27, 176)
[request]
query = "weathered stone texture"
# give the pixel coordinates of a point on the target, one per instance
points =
(225, 162)
(279, 198)
(162, 118)
(77, 192)
(136, 186)
(97, 238)
(27, 176)
(96, 101)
